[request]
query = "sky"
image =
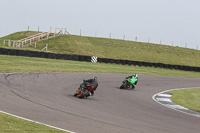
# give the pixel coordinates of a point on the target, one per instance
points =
(169, 22)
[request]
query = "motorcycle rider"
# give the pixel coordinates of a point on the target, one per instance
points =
(90, 82)
(133, 80)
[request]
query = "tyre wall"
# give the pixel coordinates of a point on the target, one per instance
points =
(28, 53)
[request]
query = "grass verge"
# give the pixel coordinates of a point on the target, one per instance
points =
(13, 64)
(189, 98)
(10, 124)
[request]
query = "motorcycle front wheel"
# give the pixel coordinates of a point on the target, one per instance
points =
(123, 85)
(83, 94)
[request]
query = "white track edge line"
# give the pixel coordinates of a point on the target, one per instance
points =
(153, 97)
(37, 122)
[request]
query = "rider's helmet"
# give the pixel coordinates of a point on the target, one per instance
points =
(135, 75)
(95, 78)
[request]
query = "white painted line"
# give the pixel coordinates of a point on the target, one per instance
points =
(36, 122)
(177, 107)
(164, 99)
(165, 95)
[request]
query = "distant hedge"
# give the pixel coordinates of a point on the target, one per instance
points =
(28, 53)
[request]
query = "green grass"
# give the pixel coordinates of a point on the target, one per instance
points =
(17, 35)
(189, 98)
(10, 124)
(116, 49)
(11, 64)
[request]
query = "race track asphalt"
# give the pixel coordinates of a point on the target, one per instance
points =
(48, 98)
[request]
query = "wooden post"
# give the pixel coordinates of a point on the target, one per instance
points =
(148, 40)
(80, 32)
(4, 41)
(28, 28)
(65, 30)
(110, 34)
(38, 28)
(9, 43)
(14, 43)
(136, 38)
(35, 45)
(172, 43)
(18, 44)
(61, 30)
(46, 47)
(124, 37)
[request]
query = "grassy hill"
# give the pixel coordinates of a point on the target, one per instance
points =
(116, 49)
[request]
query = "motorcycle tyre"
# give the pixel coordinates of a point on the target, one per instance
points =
(84, 94)
(123, 86)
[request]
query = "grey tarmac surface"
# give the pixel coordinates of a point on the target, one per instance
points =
(48, 98)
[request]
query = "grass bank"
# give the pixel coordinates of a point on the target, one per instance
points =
(17, 36)
(116, 49)
(189, 98)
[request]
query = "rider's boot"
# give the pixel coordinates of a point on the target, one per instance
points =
(133, 87)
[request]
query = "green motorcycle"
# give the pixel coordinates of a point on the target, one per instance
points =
(129, 82)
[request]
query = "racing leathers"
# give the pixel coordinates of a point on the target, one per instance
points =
(91, 82)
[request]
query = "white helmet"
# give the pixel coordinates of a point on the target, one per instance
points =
(135, 75)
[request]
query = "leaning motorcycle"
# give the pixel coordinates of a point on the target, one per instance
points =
(126, 84)
(84, 91)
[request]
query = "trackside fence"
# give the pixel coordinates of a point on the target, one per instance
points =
(28, 53)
